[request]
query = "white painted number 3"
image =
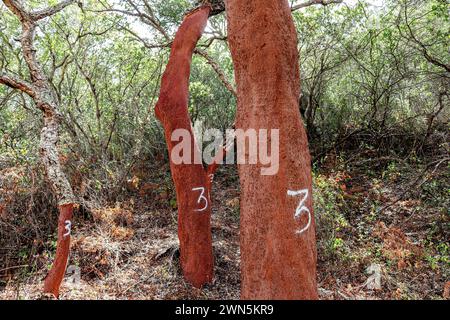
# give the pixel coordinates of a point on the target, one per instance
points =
(201, 198)
(67, 227)
(301, 207)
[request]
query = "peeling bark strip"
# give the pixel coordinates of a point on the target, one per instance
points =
(45, 98)
(278, 250)
(191, 181)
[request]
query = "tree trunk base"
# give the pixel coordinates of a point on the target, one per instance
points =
(58, 270)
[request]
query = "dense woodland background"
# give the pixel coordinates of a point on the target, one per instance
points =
(375, 102)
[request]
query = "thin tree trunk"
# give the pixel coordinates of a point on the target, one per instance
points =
(43, 95)
(278, 250)
(191, 181)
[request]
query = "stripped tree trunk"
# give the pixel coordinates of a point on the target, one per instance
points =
(278, 251)
(40, 91)
(191, 180)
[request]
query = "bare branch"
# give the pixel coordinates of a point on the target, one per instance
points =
(210, 40)
(14, 82)
(17, 8)
(421, 46)
(47, 12)
(217, 69)
(148, 19)
(314, 2)
(144, 41)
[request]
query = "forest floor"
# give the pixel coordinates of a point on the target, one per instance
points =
(382, 229)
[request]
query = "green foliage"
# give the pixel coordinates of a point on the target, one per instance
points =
(363, 70)
(330, 220)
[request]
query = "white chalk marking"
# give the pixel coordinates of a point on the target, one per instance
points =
(301, 208)
(201, 198)
(67, 227)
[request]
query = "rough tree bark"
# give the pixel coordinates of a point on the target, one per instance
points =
(191, 181)
(39, 89)
(278, 250)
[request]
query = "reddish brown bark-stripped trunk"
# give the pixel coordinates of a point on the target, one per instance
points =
(191, 181)
(278, 252)
(58, 270)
